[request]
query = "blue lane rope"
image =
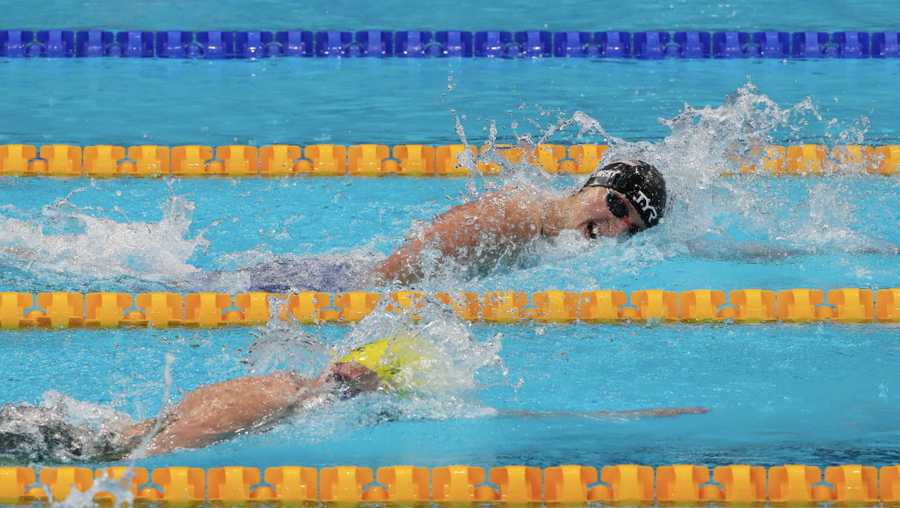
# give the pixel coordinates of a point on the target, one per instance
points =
(421, 44)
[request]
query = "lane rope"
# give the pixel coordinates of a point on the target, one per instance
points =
(218, 44)
(795, 483)
(209, 310)
(63, 160)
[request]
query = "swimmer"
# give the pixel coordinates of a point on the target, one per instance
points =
(620, 199)
(220, 411)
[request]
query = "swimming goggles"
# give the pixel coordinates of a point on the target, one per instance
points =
(619, 208)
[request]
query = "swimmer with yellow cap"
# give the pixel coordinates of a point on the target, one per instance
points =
(219, 411)
(213, 413)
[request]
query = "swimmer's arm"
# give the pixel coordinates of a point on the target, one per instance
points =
(741, 251)
(218, 411)
(611, 415)
(463, 233)
(749, 251)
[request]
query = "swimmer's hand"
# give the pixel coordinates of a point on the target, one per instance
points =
(348, 379)
(611, 415)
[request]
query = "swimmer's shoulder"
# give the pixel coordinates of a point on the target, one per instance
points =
(516, 194)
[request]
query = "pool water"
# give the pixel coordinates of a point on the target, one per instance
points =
(306, 101)
(816, 394)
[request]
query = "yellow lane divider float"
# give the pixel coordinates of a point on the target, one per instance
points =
(792, 483)
(384, 160)
(207, 310)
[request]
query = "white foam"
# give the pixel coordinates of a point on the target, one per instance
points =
(68, 240)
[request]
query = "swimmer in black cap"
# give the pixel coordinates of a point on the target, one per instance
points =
(642, 184)
(618, 200)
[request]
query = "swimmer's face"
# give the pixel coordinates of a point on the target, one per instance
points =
(598, 211)
(352, 379)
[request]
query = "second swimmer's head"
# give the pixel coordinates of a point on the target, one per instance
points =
(621, 198)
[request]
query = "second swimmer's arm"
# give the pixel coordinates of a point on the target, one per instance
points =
(465, 233)
(613, 415)
(219, 411)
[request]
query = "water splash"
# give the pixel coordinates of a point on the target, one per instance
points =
(116, 488)
(142, 449)
(69, 241)
(709, 214)
(454, 357)
(443, 386)
(280, 345)
(61, 429)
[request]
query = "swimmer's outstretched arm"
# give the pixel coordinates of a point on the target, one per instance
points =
(611, 415)
(476, 231)
(748, 251)
(218, 411)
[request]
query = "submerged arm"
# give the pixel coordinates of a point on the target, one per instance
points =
(750, 251)
(476, 231)
(612, 415)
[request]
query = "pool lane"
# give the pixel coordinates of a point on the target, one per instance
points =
(773, 394)
(306, 101)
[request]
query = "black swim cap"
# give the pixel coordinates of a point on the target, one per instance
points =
(638, 181)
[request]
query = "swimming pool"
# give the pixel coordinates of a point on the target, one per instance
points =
(818, 393)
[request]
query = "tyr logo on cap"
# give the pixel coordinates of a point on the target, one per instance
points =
(643, 202)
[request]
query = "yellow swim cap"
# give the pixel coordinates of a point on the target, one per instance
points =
(390, 358)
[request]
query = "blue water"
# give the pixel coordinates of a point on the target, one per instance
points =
(816, 394)
(305, 101)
